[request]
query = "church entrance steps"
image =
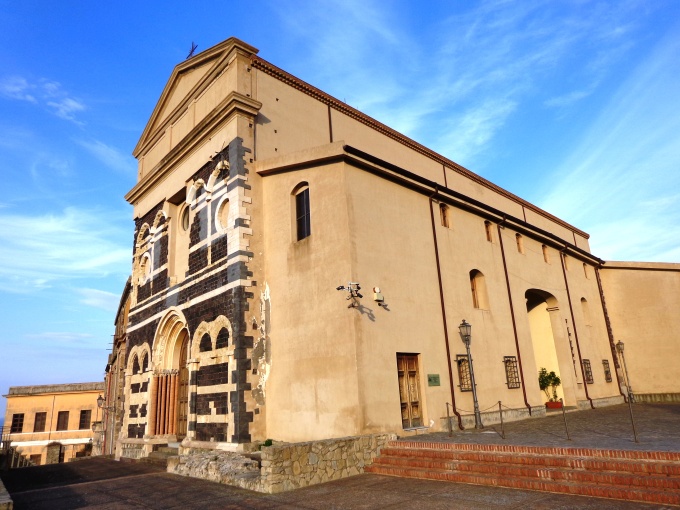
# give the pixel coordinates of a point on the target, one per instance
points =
(616, 474)
(160, 456)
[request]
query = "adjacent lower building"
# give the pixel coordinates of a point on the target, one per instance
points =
(52, 423)
(300, 272)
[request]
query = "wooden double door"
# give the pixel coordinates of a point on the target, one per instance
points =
(409, 390)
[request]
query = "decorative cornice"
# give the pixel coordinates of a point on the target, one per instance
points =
(234, 103)
(340, 106)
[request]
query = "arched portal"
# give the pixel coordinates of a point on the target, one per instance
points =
(551, 349)
(170, 387)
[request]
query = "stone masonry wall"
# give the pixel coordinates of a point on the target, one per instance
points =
(284, 467)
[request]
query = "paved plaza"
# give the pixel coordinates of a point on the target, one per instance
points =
(105, 484)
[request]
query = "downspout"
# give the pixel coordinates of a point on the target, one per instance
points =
(441, 300)
(610, 332)
(573, 323)
(512, 315)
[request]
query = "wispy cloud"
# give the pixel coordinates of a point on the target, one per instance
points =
(620, 183)
(475, 70)
(110, 156)
(99, 299)
(47, 93)
(40, 250)
(16, 87)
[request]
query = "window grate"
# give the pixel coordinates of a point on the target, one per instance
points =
(607, 370)
(464, 372)
(511, 372)
(588, 371)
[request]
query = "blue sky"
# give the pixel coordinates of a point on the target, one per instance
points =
(572, 105)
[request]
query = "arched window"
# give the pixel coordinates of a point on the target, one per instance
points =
(145, 362)
(478, 288)
(135, 364)
(520, 242)
(586, 311)
(302, 211)
(546, 254)
(565, 258)
(444, 214)
(222, 339)
(206, 343)
(488, 229)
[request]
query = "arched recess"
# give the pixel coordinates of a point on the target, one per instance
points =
(480, 299)
(170, 386)
(551, 348)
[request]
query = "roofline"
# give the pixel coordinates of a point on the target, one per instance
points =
(24, 391)
(123, 298)
(278, 73)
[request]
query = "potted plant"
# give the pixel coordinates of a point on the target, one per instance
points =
(548, 382)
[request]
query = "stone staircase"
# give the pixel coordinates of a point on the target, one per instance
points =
(160, 456)
(652, 477)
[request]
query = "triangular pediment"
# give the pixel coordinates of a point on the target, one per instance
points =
(186, 82)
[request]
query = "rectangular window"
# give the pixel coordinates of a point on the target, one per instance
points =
(520, 243)
(607, 370)
(511, 372)
(85, 419)
(546, 255)
(587, 369)
(487, 228)
(302, 214)
(62, 420)
(17, 424)
(36, 459)
(39, 423)
(463, 372)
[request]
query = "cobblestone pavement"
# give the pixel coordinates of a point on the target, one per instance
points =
(657, 425)
(105, 484)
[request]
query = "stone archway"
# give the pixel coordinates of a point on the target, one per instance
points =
(170, 385)
(550, 347)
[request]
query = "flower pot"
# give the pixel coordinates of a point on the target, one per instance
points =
(553, 405)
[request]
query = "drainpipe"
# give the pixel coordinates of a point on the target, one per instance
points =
(573, 323)
(610, 332)
(441, 300)
(512, 315)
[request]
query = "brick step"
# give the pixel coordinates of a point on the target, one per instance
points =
(503, 469)
(601, 491)
(642, 467)
(541, 450)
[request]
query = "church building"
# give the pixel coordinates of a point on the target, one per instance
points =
(302, 271)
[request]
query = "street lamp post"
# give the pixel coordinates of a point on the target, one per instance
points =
(466, 335)
(629, 390)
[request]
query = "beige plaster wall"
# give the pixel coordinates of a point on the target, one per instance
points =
(327, 357)
(642, 301)
(74, 439)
